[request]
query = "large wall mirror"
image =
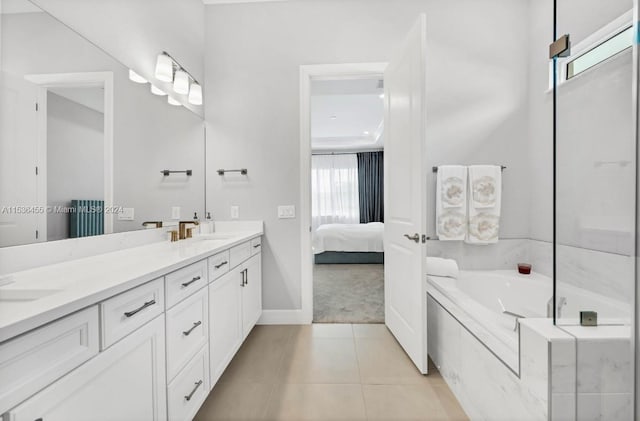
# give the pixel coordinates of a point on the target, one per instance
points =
(82, 146)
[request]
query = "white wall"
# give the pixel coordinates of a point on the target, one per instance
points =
(252, 99)
(136, 31)
(75, 159)
(149, 134)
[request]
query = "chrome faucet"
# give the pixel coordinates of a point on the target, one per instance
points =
(562, 301)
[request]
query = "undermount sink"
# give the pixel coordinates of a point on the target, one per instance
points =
(9, 294)
(217, 236)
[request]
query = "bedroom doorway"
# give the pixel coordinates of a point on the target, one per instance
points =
(347, 191)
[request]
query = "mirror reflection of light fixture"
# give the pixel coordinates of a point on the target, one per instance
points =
(181, 82)
(134, 77)
(157, 91)
(195, 94)
(164, 68)
(173, 101)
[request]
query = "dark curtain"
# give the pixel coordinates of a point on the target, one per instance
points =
(371, 186)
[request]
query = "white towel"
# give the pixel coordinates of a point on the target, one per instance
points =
(451, 202)
(485, 200)
(438, 266)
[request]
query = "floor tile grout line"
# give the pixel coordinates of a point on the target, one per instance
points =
(355, 348)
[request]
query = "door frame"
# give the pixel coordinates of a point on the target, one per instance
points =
(74, 80)
(308, 73)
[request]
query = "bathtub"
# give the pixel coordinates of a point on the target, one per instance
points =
(478, 299)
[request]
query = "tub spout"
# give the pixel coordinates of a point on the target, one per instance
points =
(562, 301)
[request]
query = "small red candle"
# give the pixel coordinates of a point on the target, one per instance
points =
(524, 268)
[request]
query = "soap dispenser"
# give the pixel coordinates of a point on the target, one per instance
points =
(209, 223)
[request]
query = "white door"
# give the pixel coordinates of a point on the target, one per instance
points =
(405, 196)
(18, 158)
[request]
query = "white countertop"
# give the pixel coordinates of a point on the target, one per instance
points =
(87, 281)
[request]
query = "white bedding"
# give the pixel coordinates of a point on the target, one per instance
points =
(349, 237)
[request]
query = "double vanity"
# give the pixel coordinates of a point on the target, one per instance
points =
(141, 333)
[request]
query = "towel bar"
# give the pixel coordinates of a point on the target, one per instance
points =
(435, 169)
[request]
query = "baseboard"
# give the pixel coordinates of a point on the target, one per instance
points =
(283, 317)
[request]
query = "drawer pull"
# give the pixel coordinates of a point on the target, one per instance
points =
(220, 265)
(190, 395)
(142, 307)
(195, 325)
(256, 246)
(196, 278)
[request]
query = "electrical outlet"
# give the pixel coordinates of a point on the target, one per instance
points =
(175, 212)
(126, 214)
(286, 212)
(235, 212)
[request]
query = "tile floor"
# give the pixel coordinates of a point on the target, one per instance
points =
(327, 372)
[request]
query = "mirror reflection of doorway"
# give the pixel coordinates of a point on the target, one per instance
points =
(75, 154)
(347, 119)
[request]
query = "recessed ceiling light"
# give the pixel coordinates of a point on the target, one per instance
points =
(381, 96)
(366, 133)
(333, 117)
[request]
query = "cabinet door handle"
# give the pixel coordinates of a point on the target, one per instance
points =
(195, 278)
(195, 325)
(242, 283)
(256, 246)
(220, 265)
(246, 276)
(190, 395)
(142, 307)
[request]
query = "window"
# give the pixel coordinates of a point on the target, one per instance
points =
(609, 48)
(334, 189)
(607, 42)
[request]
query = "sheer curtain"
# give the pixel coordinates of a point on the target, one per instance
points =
(334, 189)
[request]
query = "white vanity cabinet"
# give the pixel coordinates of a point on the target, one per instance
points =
(225, 321)
(152, 352)
(251, 293)
(127, 382)
(235, 305)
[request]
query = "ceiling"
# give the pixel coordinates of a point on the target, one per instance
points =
(236, 1)
(347, 115)
(8, 7)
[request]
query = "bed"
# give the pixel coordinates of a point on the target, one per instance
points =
(349, 243)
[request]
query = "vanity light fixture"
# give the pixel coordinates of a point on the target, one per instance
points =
(195, 94)
(157, 91)
(181, 82)
(172, 101)
(134, 77)
(164, 68)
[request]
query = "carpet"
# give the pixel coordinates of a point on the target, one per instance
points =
(348, 293)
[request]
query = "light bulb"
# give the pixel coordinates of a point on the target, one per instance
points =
(157, 91)
(173, 101)
(134, 77)
(195, 94)
(164, 68)
(181, 82)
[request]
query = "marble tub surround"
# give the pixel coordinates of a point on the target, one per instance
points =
(485, 387)
(505, 254)
(74, 284)
(603, 372)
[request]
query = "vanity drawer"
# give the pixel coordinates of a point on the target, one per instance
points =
(187, 330)
(184, 282)
(36, 359)
(189, 389)
(256, 245)
(126, 312)
(218, 265)
(239, 254)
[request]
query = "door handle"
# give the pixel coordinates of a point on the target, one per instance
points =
(415, 237)
(242, 282)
